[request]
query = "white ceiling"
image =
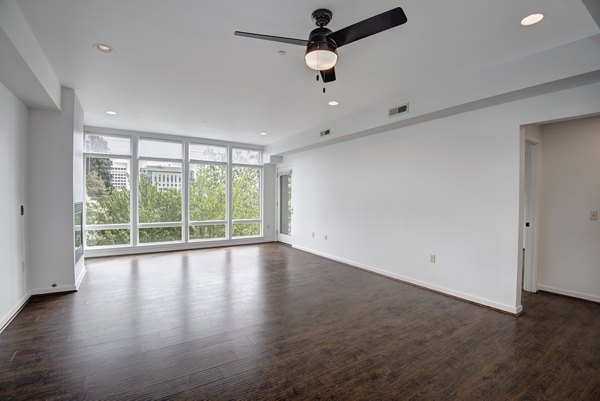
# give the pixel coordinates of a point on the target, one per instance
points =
(178, 69)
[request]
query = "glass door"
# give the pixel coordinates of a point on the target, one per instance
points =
(284, 232)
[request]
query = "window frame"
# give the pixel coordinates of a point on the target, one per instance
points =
(260, 219)
(197, 223)
(185, 243)
(166, 224)
(117, 226)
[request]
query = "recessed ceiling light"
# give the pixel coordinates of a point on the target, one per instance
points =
(532, 19)
(103, 48)
(333, 103)
(112, 113)
(262, 133)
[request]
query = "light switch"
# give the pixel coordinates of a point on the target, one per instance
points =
(594, 215)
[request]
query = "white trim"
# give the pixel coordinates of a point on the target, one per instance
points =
(134, 171)
(13, 312)
(209, 163)
(160, 159)
(246, 221)
(284, 171)
(80, 278)
(229, 195)
(8, 318)
(107, 155)
(569, 293)
(167, 247)
(207, 223)
(458, 294)
(100, 227)
(53, 290)
(285, 238)
(161, 224)
(192, 241)
(107, 134)
(246, 164)
(530, 214)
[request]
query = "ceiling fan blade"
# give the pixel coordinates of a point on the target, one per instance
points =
(291, 41)
(368, 27)
(328, 75)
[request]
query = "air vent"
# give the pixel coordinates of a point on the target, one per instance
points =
(398, 110)
(326, 132)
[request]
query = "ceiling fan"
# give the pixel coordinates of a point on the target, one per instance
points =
(322, 43)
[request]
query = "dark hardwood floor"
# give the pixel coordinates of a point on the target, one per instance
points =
(271, 322)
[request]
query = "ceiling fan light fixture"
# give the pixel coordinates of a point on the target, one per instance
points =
(320, 56)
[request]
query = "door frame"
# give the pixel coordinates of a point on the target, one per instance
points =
(287, 239)
(530, 216)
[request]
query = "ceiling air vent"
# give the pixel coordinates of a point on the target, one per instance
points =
(398, 110)
(326, 132)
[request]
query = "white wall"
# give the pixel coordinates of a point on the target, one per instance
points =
(24, 68)
(13, 131)
(449, 187)
(514, 79)
(50, 194)
(569, 251)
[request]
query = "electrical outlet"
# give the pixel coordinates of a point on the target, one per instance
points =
(594, 215)
(325, 236)
(431, 258)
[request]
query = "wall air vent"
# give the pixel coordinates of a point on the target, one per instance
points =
(326, 132)
(394, 111)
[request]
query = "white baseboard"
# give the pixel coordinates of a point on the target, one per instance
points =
(568, 293)
(80, 278)
(6, 319)
(468, 297)
(53, 290)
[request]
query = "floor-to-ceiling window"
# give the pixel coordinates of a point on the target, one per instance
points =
(159, 184)
(107, 183)
(246, 192)
(184, 191)
(207, 189)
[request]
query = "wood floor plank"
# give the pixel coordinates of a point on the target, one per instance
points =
(271, 322)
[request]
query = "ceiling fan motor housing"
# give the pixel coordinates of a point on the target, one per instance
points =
(321, 17)
(319, 36)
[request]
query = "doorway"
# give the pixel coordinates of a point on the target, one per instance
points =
(529, 278)
(285, 210)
